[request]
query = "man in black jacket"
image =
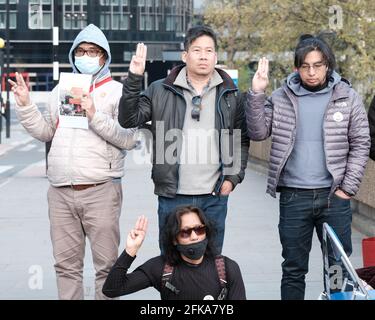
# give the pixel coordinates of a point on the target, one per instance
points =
(200, 145)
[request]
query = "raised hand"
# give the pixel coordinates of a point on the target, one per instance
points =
(136, 236)
(138, 63)
(20, 90)
(260, 80)
(87, 104)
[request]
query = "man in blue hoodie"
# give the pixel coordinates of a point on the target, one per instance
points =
(85, 167)
(320, 147)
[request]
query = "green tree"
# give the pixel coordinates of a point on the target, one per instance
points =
(272, 28)
(226, 17)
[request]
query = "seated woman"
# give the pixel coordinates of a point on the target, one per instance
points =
(189, 269)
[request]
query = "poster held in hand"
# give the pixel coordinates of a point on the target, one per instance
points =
(72, 88)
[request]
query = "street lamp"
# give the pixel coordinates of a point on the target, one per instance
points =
(5, 108)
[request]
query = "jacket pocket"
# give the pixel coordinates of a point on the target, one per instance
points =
(287, 196)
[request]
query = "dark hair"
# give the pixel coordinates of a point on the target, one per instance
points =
(172, 228)
(308, 43)
(196, 32)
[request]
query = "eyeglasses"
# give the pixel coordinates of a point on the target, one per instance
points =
(186, 233)
(93, 53)
(196, 112)
(316, 66)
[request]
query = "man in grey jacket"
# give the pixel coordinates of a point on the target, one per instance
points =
(320, 147)
(85, 167)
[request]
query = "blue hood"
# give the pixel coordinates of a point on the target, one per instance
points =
(94, 35)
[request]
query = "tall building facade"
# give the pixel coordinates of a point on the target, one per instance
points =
(161, 24)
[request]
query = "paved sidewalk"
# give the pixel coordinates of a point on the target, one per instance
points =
(18, 137)
(26, 263)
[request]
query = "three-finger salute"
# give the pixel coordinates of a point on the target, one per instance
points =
(260, 80)
(136, 236)
(138, 63)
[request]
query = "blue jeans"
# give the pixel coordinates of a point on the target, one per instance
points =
(300, 211)
(214, 206)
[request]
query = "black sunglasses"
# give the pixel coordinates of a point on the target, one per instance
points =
(186, 233)
(196, 112)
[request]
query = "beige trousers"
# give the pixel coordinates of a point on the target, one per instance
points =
(94, 213)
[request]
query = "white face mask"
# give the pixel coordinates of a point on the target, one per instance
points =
(88, 65)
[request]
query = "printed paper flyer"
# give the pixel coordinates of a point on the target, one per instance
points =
(72, 87)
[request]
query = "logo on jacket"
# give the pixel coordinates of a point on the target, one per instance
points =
(341, 104)
(338, 117)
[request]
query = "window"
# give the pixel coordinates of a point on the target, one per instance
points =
(146, 22)
(75, 14)
(40, 14)
(115, 15)
(13, 4)
(175, 14)
(149, 15)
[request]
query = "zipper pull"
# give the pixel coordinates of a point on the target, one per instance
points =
(226, 100)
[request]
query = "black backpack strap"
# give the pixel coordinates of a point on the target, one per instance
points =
(166, 278)
(220, 268)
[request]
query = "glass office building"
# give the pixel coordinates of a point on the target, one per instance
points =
(161, 24)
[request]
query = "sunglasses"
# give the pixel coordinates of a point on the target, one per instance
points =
(196, 112)
(186, 233)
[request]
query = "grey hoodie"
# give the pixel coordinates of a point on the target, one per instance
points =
(92, 34)
(306, 167)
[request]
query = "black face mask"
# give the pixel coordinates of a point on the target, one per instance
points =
(193, 251)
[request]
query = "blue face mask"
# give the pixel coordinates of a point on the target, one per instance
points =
(88, 65)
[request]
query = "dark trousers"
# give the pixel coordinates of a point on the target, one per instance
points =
(214, 206)
(301, 211)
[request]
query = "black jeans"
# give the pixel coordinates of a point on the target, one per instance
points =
(300, 211)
